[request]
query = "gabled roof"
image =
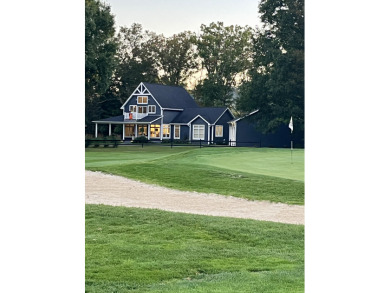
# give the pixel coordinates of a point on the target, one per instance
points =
(121, 118)
(172, 97)
(168, 97)
(210, 114)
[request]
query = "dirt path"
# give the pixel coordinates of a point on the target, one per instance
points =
(113, 190)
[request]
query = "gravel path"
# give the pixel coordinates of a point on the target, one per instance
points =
(113, 190)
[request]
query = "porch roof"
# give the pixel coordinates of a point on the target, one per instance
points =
(121, 120)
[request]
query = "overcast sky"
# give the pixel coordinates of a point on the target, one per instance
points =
(170, 17)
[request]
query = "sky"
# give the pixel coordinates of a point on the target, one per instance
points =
(170, 17)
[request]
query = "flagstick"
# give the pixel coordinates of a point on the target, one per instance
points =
(291, 150)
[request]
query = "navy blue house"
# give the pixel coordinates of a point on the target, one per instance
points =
(161, 112)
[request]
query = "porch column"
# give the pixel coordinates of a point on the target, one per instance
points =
(109, 129)
(135, 130)
(96, 129)
(208, 135)
(123, 129)
(148, 126)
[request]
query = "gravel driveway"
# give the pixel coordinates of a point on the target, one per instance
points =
(113, 190)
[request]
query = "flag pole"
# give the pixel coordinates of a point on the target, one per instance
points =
(291, 127)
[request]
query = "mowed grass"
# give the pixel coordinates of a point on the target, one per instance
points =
(252, 173)
(141, 250)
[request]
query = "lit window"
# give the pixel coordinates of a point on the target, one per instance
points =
(198, 132)
(152, 109)
(177, 131)
(166, 131)
(218, 130)
(155, 130)
(142, 100)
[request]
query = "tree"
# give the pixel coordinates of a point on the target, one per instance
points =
(276, 86)
(137, 55)
(177, 58)
(100, 50)
(225, 54)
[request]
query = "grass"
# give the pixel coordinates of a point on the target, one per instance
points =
(257, 174)
(140, 250)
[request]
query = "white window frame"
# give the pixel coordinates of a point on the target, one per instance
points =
(139, 107)
(168, 126)
(142, 100)
(131, 108)
(152, 106)
(174, 132)
(216, 134)
(198, 126)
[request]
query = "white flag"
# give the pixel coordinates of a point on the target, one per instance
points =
(291, 125)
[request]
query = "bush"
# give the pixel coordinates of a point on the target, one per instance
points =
(140, 139)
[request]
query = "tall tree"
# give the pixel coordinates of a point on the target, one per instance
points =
(225, 53)
(276, 87)
(100, 50)
(137, 54)
(177, 58)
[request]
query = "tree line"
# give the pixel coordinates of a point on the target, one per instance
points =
(234, 66)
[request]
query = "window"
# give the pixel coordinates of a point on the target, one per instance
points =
(142, 100)
(142, 130)
(218, 130)
(177, 132)
(132, 108)
(155, 131)
(198, 132)
(142, 109)
(152, 109)
(166, 131)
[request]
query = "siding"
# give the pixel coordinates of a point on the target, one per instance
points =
(133, 101)
(223, 121)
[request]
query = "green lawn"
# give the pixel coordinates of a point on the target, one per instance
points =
(252, 173)
(141, 250)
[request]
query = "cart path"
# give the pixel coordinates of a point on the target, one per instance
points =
(101, 188)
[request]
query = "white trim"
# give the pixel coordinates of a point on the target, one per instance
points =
(174, 131)
(96, 130)
(154, 109)
(142, 102)
(193, 131)
(199, 116)
(172, 109)
(212, 133)
(123, 129)
(208, 134)
(227, 109)
(109, 129)
(216, 131)
(169, 131)
(141, 94)
(251, 113)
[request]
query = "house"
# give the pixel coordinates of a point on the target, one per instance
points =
(243, 132)
(161, 112)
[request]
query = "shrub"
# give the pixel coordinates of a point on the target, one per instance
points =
(140, 139)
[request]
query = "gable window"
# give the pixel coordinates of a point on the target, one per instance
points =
(177, 132)
(142, 100)
(142, 109)
(166, 131)
(152, 109)
(198, 131)
(218, 130)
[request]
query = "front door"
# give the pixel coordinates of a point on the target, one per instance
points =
(142, 130)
